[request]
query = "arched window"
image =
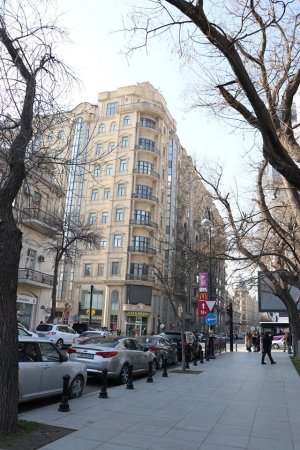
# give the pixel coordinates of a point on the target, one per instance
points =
(126, 120)
(101, 128)
(113, 126)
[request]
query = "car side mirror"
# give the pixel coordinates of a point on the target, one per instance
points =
(146, 349)
(63, 358)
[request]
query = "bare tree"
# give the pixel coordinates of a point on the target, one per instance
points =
(32, 78)
(67, 235)
(255, 45)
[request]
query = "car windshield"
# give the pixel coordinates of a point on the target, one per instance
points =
(172, 337)
(44, 327)
(104, 341)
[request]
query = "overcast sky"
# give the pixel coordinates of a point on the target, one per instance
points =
(96, 55)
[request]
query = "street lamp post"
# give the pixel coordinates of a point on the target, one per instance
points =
(91, 303)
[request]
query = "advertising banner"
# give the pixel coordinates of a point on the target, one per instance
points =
(203, 281)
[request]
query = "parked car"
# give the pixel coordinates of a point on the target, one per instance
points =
(60, 335)
(114, 353)
(161, 347)
(41, 370)
(191, 344)
(90, 333)
(82, 327)
(277, 342)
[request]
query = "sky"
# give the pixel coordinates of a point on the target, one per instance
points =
(96, 54)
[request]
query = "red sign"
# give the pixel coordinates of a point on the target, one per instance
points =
(202, 309)
(202, 296)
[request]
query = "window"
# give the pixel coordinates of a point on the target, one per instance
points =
(117, 240)
(105, 217)
(119, 214)
(121, 189)
(100, 270)
(30, 258)
(115, 268)
(107, 193)
(138, 270)
(144, 167)
(94, 194)
(113, 126)
(93, 218)
(126, 120)
(109, 169)
(123, 165)
(99, 149)
(111, 108)
(111, 147)
(87, 271)
(147, 123)
(125, 141)
(97, 171)
(140, 242)
(146, 144)
(141, 216)
(60, 134)
(143, 191)
(102, 243)
(101, 128)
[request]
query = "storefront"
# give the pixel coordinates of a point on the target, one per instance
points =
(25, 310)
(136, 319)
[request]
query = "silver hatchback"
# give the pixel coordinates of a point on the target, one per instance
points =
(114, 353)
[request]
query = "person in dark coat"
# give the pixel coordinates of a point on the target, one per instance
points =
(267, 347)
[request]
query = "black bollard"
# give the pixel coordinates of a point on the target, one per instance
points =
(187, 360)
(164, 364)
(64, 405)
(103, 390)
(201, 357)
(206, 351)
(150, 369)
(130, 377)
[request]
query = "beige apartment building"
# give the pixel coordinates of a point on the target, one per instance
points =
(127, 175)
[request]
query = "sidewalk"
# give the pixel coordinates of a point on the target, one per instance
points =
(235, 403)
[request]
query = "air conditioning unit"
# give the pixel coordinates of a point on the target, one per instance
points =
(41, 258)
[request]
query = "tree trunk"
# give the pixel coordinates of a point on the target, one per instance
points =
(54, 291)
(10, 249)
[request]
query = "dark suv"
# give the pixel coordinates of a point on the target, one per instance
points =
(191, 345)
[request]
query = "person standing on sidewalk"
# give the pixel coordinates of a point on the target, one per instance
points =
(267, 347)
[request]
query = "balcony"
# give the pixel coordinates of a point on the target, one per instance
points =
(144, 196)
(141, 249)
(139, 277)
(146, 223)
(38, 220)
(35, 278)
(148, 149)
(152, 108)
(146, 172)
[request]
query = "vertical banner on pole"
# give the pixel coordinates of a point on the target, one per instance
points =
(203, 281)
(202, 305)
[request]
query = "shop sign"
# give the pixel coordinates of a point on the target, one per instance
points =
(25, 299)
(137, 313)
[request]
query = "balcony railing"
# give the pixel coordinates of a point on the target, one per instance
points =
(141, 249)
(139, 277)
(153, 126)
(36, 214)
(31, 275)
(147, 148)
(146, 172)
(144, 196)
(146, 223)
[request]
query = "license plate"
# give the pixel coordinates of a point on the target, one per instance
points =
(85, 355)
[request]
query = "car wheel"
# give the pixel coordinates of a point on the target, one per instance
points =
(123, 377)
(59, 344)
(76, 387)
(276, 346)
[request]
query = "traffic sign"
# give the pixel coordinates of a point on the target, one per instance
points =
(211, 319)
(202, 309)
(210, 304)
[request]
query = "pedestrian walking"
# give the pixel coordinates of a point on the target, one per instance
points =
(267, 347)
(248, 341)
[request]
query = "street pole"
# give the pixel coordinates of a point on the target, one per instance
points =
(91, 303)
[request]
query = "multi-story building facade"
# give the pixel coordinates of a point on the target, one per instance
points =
(127, 175)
